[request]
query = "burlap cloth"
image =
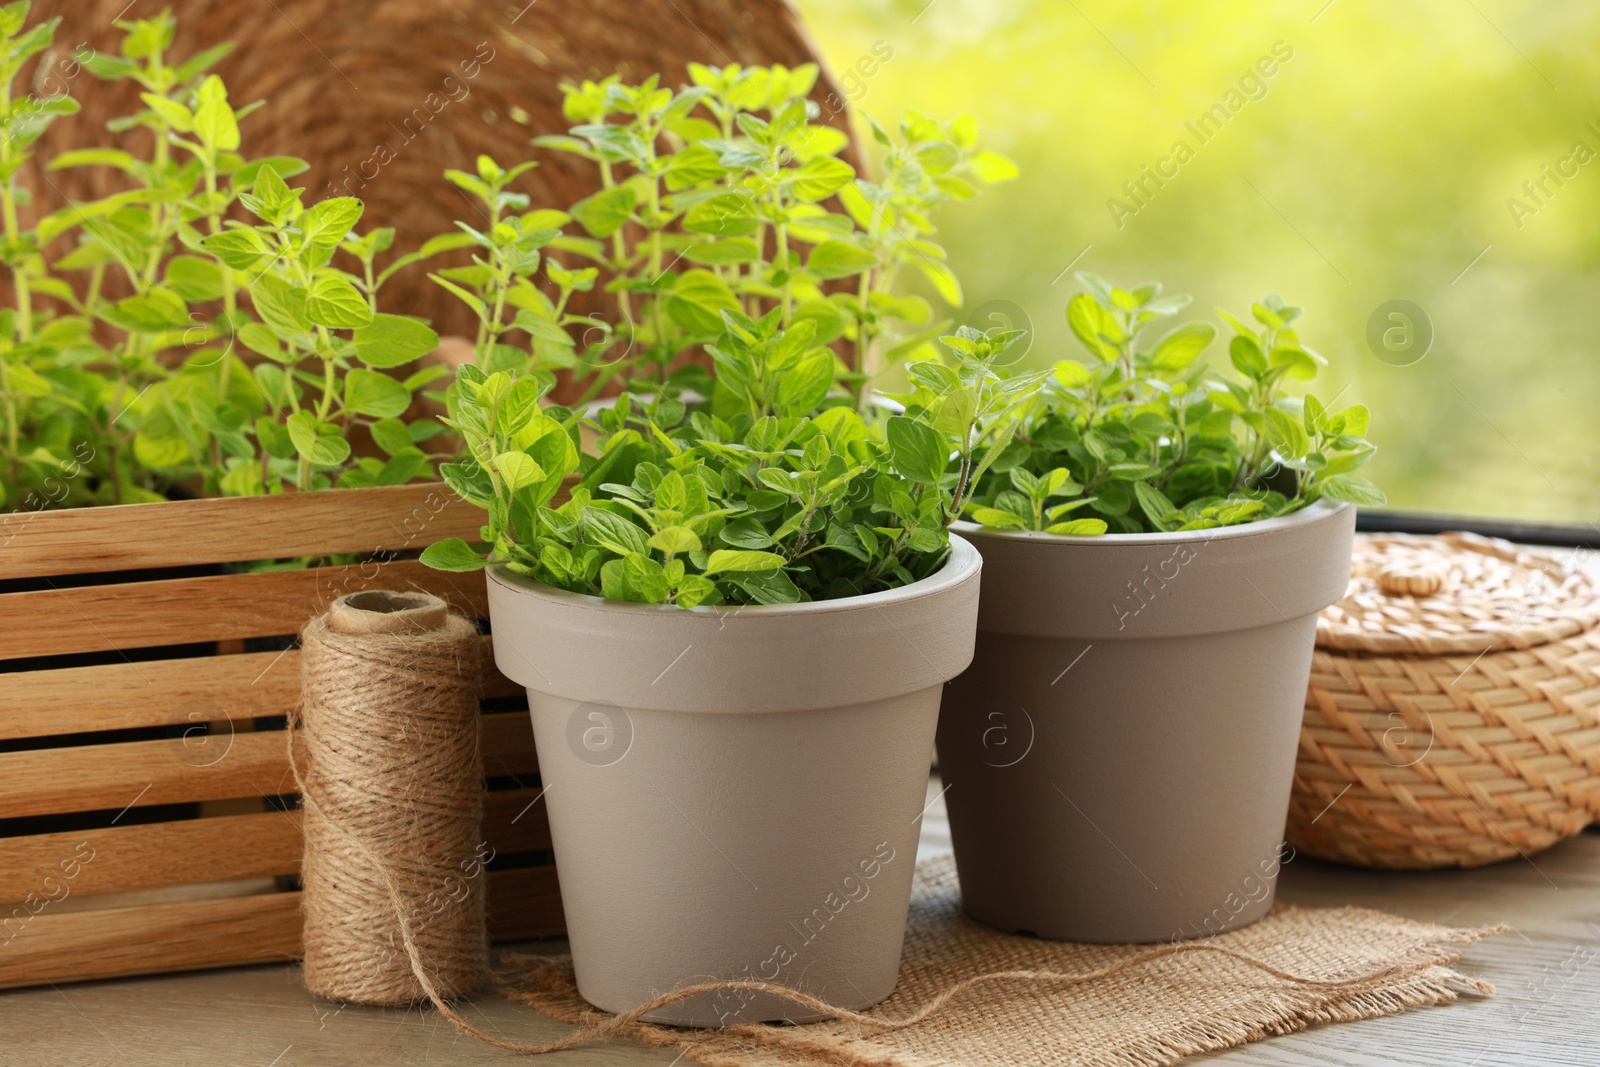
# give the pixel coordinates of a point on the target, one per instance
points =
(1153, 1012)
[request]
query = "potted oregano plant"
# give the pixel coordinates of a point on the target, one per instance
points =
(190, 328)
(736, 628)
(1158, 538)
(721, 196)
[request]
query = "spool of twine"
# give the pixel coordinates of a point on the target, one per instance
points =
(391, 780)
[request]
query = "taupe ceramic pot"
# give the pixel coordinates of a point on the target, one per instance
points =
(1120, 753)
(736, 794)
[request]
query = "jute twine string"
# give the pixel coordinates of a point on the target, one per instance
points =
(602, 1025)
(607, 1024)
(391, 785)
(390, 779)
(1008, 1000)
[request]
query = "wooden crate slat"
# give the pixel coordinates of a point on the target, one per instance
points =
(496, 684)
(190, 691)
(265, 928)
(186, 532)
(525, 904)
(141, 773)
(514, 820)
(170, 771)
(118, 859)
(153, 939)
(121, 858)
(112, 618)
(507, 745)
(118, 696)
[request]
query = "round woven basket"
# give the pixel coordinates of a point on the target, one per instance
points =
(1453, 715)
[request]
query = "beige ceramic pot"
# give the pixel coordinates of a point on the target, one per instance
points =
(1120, 753)
(736, 794)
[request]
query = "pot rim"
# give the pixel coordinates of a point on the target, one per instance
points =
(962, 563)
(1320, 509)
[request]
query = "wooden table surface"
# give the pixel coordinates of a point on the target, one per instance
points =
(1546, 1010)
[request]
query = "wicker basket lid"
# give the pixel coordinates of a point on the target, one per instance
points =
(1454, 593)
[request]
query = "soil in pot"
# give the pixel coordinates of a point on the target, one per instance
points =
(1120, 753)
(736, 794)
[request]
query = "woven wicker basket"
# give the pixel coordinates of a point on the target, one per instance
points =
(1453, 715)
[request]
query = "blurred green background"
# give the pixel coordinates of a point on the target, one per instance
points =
(1379, 161)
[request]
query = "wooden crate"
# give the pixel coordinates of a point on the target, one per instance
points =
(143, 821)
